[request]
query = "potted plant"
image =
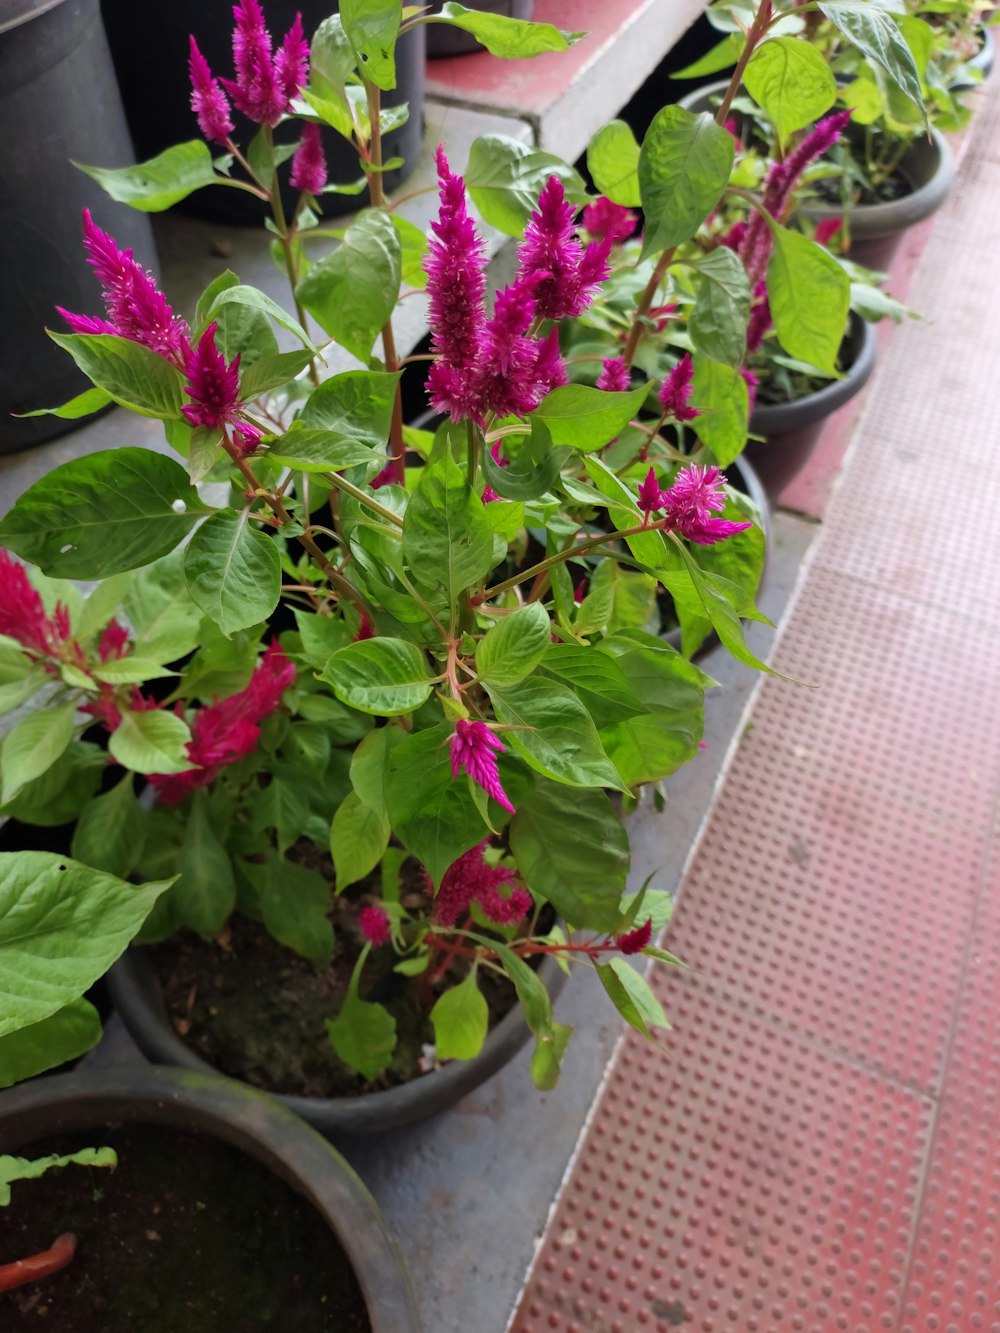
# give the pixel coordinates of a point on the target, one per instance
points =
(444, 40)
(187, 1165)
(387, 695)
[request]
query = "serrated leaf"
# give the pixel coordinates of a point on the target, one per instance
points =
(151, 742)
(205, 892)
(33, 745)
(810, 296)
(718, 321)
(111, 830)
(514, 646)
(791, 81)
(363, 1034)
(233, 571)
(613, 162)
(127, 372)
(684, 166)
(505, 177)
(161, 182)
(586, 418)
(461, 1020)
(65, 1035)
(508, 38)
(631, 995)
(353, 291)
(359, 836)
(383, 676)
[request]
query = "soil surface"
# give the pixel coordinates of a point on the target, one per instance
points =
(187, 1235)
(895, 186)
(257, 1011)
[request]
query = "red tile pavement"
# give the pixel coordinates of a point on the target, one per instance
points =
(816, 1144)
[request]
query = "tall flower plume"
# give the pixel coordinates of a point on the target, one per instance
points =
(136, 308)
(692, 503)
(615, 375)
(265, 83)
(208, 102)
(604, 218)
(563, 274)
(474, 749)
(514, 372)
(309, 162)
(22, 613)
(213, 385)
(223, 733)
(675, 392)
(472, 879)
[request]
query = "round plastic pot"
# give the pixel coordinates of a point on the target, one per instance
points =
(244, 1119)
(149, 43)
(791, 431)
(135, 992)
(983, 61)
(58, 101)
(876, 230)
(742, 476)
(446, 41)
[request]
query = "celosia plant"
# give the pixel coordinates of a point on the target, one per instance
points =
(430, 656)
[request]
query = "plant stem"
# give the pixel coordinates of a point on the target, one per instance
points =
(560, 557)
(472, 457)
(377, 194)
(37, 1266)
(362, 497)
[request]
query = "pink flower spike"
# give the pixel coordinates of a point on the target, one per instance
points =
(563, 274)
(113, 642)
(509, 909)
(375, 925)
(550, 368)
(87, 323)
(760, 318)
(650, 495)
(212, 384)
(676, 391)
(471, 879)
(692, 502)
(208, 102)
(636, 940)
(474, 749)
(291, 64)
(604, 218)
(22, 613)
(309, 162)
(506, 380)
(258, 89)
(752, 382)
(615, 377)
(826, 229)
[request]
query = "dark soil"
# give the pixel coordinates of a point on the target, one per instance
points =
(188, 1235)
(895, 186)
(257, 1011)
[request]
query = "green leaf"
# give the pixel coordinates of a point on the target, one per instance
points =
(613, 162)
(447, 537)
(159, 608)
(127, 371)
(32, 746)
(432, 814)
(413, 245)
(322, 636)
(102, 514)
(791, 81)
(331, 60)
(383, 676)
(83, 405)
(553, 733)
(547, 1057)
(572, 850)
(130, 670)
(13, 1169)
(461, 1019)
(62, 925)
(531, 993)
(532, 472)
(205, 893)
(514, 646)
(353, 290)
(596, 679)
(19, 677)
(718, 322)
(233, 571)
(722, 56)
(585, 418)
(65, 1035)
(283, 805)
(294, 902)
(58, 796)
(151, 742)
(363, 1034)
(509, 38)
(372, 27)
(342, 423)
(723, 400)
(359, 836)
(368, 766)
(111, 830)
(271, 371)
(257, 301)
(877, 36)
(647, 547)
(666, 734)
(684, 166)
(505, 177)
(161, 182)
(810, 295)
(632, 996)
(720, 600)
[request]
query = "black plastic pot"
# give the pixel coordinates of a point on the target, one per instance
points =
(876, 230)
(445, 41)
(791, 431)
(742, 476)
(245, 1119)
(58, 100)
(149, 43)
(136, 994)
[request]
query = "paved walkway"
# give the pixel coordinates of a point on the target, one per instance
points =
(817, 1146)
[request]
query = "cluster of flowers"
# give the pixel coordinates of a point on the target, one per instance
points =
(690, 505)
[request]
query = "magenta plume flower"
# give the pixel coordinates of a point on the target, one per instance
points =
(675, 394)
(224, 732)
(472, 879)
(456, 285)
(650, 495)
(507, 380)
(136, 308)
(375, 925)
(692, 502)
(604, 218)
(615, 377)
(760, 318)
(563, 275)
(309, 162)
(214, 389)
(22, 613)
(208, 102)
(474, 749)
(265, 84)
(752, 383)
(634, 941)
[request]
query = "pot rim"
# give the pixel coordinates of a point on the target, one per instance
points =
(776, 418)
(248, 1120)
(136, 995)
(25, 11)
